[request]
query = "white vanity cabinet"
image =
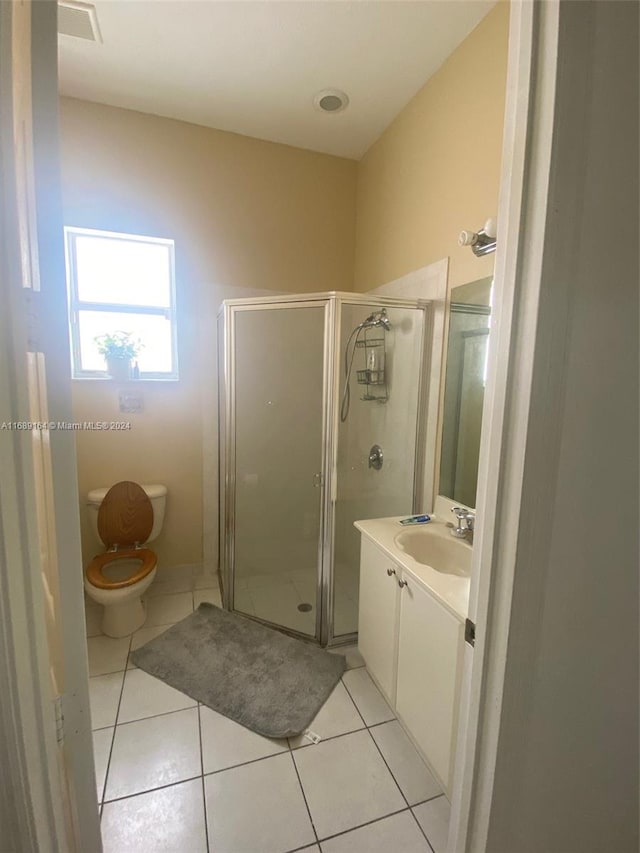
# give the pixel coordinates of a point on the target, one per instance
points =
(430, 653)
(413, 648)
(378, 616)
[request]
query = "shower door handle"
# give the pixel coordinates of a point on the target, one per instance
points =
(318, 480)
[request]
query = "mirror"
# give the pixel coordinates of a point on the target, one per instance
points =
(465, 377)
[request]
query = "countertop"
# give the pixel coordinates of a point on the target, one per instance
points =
(450, 590)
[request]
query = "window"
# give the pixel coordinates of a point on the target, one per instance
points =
(121, 283)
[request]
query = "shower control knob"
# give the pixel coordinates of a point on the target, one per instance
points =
(376, 457)
(391, 572)
(402, 583)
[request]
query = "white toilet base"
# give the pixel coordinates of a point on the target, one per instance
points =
(122, 619)
(124, 611)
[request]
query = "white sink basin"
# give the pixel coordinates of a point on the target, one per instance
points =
(435, 547)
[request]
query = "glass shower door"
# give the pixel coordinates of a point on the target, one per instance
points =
(279, 416)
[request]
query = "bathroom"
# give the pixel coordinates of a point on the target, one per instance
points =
(268, 222)
(311, 222)
(253, 219)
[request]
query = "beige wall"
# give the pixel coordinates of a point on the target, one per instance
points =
(243, 213)
(436, 168)
(251, 214)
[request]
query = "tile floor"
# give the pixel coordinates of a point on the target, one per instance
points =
(174, 776)
(275, 597)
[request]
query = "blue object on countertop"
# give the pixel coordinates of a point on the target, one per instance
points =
(416, 519)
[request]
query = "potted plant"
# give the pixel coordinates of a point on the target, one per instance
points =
(119, 349)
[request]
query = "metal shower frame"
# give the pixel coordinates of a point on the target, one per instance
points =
(332, 302)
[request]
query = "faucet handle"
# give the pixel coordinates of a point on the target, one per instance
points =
(460, 513)
(470, 518)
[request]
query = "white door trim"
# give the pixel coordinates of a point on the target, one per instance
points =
(527, 148)
(31, 794)
(49, 795)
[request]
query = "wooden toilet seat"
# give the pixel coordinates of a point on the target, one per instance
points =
(95, 567)
(125, 520)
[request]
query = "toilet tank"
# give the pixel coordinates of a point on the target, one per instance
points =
(156, 493)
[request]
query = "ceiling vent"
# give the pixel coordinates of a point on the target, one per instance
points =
(78, 20)
(331, 101)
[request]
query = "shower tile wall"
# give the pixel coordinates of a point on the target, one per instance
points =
(364, 492)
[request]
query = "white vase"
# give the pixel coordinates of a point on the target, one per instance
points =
(119, 368)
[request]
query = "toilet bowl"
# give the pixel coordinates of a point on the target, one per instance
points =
(126, 517)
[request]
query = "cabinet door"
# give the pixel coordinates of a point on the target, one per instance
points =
(429, 654)
(378, 616)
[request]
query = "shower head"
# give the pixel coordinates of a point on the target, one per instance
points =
(378, 318)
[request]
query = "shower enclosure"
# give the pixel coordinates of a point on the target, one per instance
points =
(320, 406)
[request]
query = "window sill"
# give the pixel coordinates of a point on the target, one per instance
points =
(140, 380)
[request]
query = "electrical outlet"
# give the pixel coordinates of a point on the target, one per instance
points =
(130, 401)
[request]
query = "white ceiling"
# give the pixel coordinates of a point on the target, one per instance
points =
(254, 67)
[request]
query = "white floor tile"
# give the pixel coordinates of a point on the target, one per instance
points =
(101, 749)
(346, 783)
(212, 595)
(398, 833)
(257, 807)
(345, 615)
(93, 619)
(165, 821)
(305, 583)
(146, 696)
(279, 604)
(107, 655)
(352, 656)
(104, 695)
(337, 716)
(411, 773)
(266, 580)
(168, 609)
(367, 697)
(179, 580)
(243, 601)
(143, 636)
(165, 572)
(154, 752)
(434, 818)
(206, 580)
(303, 575)
(226, 743)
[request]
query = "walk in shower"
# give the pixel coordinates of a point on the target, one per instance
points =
(321, 400)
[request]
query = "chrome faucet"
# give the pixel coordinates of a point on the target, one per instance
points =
(466, 521)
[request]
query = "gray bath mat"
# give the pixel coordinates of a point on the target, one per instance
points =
(268, 682)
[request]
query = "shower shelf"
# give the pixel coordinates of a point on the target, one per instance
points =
(371, 342)
(371, 377)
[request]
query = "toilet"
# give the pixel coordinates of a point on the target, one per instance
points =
(125, 517)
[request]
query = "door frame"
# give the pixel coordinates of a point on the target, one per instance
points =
(548, 187)
(34, 729)
(525, 170)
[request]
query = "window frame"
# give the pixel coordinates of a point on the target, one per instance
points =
(71, 233)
